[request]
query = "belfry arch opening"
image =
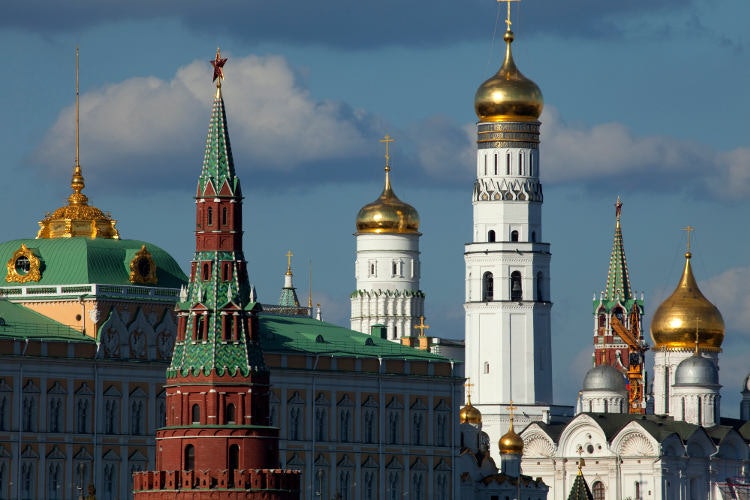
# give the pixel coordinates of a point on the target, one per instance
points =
(488, 287)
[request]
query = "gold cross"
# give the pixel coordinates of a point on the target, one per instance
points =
(468, 385)
(289, 255)
(689, 230)
(387, 140)
(507, 19)
(421, 326)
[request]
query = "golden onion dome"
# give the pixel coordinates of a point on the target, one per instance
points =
(77, 218)
(469, 414)
(685, 316)
(388, 214)
(508, 96)
(510, 442)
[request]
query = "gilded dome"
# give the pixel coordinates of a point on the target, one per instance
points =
(510, 442)
(469, 414)
(388, 214)
(77, 218)
(508, 96)
(685, 315)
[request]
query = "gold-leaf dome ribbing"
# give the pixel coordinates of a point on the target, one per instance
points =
(388, 214)
(510, 442)
(686, 314)
(508, 96)
(469, 414)
(77, 218)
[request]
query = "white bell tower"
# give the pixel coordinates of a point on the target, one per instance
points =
(507, 302)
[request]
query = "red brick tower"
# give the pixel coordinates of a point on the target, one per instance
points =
(217, 443)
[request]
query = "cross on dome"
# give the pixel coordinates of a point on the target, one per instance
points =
(689, 229)
(507, 18)
(289, 256)
(387, 140)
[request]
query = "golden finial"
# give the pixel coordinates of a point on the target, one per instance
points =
(387, 140)
(468, 386)
(77, 184)
(581, 461)
(511, 408)
(689, 229)
(421, 326)
(697, 334)
(507, 17)
(289, 256)
(618, 208)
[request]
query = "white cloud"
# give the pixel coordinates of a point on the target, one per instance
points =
(145, 124)
(148, 128)
(610, 152)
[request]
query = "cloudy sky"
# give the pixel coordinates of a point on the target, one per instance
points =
(645, 101)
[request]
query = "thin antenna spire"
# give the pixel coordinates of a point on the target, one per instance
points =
(309, 293)
(77, 159)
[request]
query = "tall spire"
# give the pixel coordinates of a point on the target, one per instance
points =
(77, 218)
(618, 278)
(288, 293)
(216, 334)
(218, 174)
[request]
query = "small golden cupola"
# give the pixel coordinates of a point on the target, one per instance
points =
(510, 443)
(388, 214)
(508, 96)
(77, 218)
(685, 315)
(469, 414)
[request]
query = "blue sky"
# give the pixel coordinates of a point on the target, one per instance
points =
(648, 102)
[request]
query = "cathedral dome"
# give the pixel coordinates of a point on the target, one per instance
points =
(686, 314)
(604, 378)
(388, 214)
(510, 442)
(469, 414)
(508, 96)
(696, 370)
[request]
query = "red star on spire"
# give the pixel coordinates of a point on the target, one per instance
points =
(218, 64)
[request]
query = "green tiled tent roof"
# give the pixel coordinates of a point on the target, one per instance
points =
(580, 489)
(18, 322)
(306, 335)
(67, 261)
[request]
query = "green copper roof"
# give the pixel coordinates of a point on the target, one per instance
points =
(215, 295)
(618, 279)
(218, 163)
(18, 322)
(296, 334)
(580, 489)
(67, 261)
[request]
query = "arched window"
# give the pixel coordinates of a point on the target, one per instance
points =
(533, 236)
(495, 164)
(199, 325)
(491, 236)
(223, 216)
(196, 414)
(598, 490)
(516, 292)
(507, 164)
(189, 457)
(230, 414)
(233, 462)
(210, 213)
(514, 235)
(488, 287)
(206, 271)
(539, 282)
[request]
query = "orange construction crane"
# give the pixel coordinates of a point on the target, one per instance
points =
(636, 358)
